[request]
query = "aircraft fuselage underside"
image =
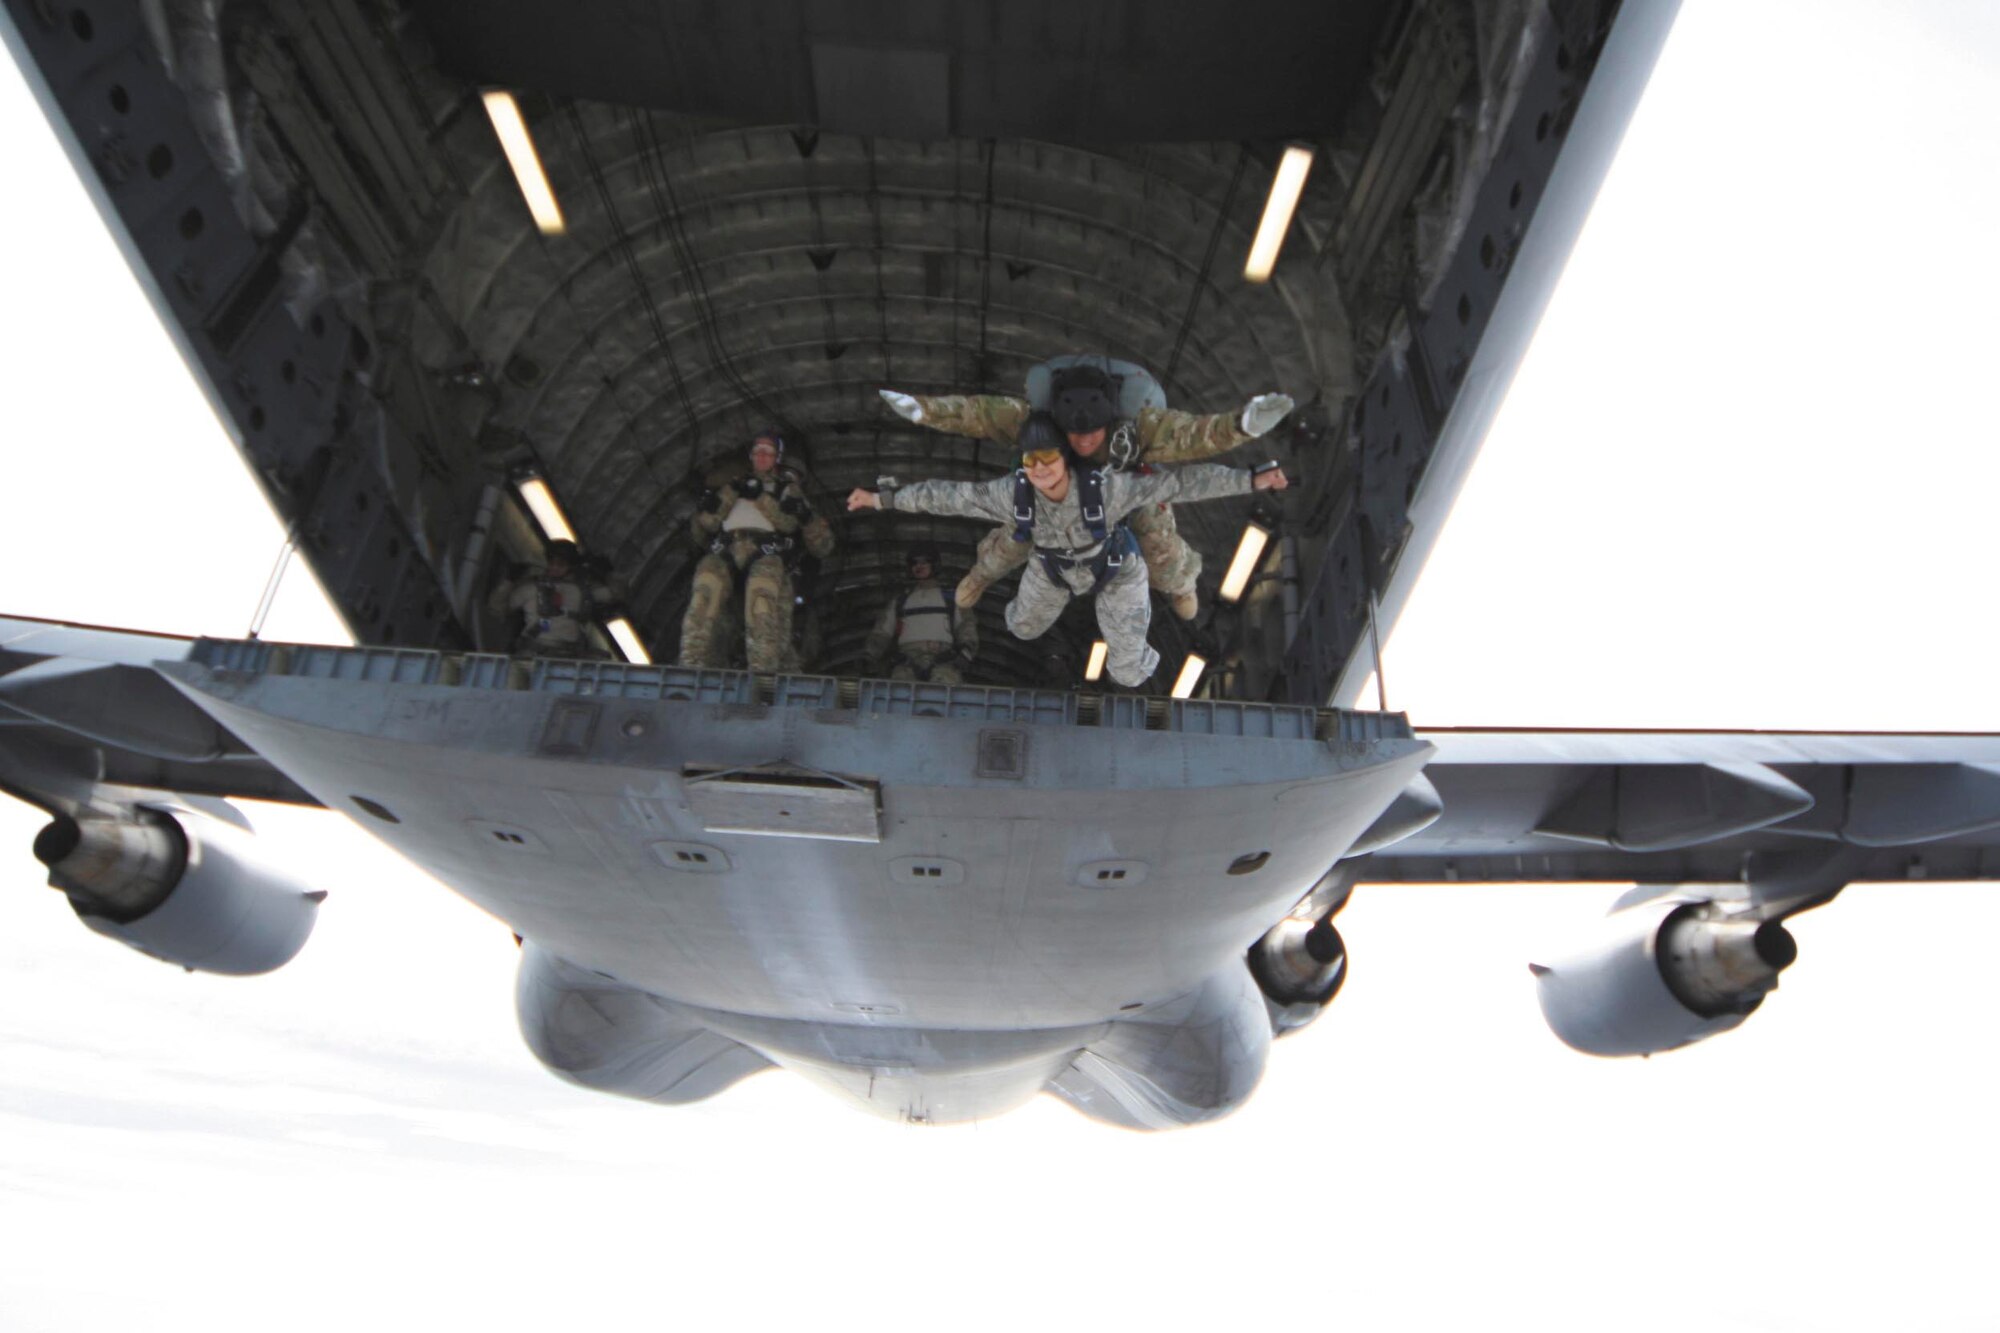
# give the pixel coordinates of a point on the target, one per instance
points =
(936, 894)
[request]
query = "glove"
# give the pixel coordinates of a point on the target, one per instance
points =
(751, 487)
(904, 406)
(796, 507)
(1265, 411)
(710, 502)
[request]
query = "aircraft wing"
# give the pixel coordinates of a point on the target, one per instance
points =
(639, 781)
(87, 722)
(87, 719)
(1751, 807)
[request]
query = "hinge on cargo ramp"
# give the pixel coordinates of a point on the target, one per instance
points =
(780, 801)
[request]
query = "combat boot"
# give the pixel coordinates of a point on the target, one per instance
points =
(970, 589)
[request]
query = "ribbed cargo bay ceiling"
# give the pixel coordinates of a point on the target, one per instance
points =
(772, 210)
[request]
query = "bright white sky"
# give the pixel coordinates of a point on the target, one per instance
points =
(1745, 479)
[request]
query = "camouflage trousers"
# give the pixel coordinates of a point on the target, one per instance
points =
(767, 609)
(1172, 565)
(1124, 613)
(928, 661)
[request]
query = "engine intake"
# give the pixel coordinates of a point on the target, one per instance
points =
(197, 895)
(1662, 974)
(1299, 964)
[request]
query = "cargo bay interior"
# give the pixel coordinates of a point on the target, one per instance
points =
(770, 212)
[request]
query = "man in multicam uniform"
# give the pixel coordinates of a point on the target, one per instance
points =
(1070, 558)
(753, 523)
(931, 638)
(557, 606)
(1082, 403)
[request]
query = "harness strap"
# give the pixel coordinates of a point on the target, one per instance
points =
(1108, 560)
(548, 602)
(1090, 500)
(1024, 506)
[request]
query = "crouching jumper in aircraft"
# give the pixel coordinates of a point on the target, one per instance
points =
(1073, 517)
(557, 605)
(1115, 416)
(931, 638)
(754, 525)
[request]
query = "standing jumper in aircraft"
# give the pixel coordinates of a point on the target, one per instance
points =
(928, 636)
(1114, 416)
(754, 525)
(556, 604)
(1074, 519)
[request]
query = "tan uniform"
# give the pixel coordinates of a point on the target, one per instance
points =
(929, 635)
(556, 612)
(1156, 435)
(754, 531)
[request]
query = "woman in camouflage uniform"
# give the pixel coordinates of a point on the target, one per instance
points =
(1083, 406)
(1071, 557)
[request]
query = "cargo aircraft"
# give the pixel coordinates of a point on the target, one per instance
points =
(464, 278)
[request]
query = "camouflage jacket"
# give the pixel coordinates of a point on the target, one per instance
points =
(1156, 435)
(1059, 526)
(962, 626)
(780, 499)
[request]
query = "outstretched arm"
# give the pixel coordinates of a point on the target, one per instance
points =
(1168, 436)
(1186, 485)
(949, 499)
(982, 416)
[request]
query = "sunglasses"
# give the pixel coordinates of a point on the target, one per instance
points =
(1041, 457)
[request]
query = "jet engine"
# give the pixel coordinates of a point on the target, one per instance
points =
(1663, 973)
(196, 894)
(1299, 964)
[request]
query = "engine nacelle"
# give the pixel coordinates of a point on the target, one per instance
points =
(197, 894)
(1299, 964)
(1661, 974)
